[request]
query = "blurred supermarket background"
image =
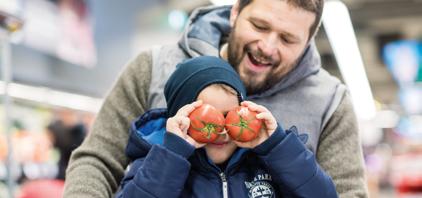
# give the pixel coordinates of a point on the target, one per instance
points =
(60, 57)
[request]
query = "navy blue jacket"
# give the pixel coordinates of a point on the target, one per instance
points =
(164, 165)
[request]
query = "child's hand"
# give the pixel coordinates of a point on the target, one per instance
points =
(179, 123)
(270, 124)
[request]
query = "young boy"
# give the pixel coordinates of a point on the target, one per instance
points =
(167, 162)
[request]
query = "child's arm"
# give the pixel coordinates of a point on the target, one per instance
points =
(292, 166)
(163, 172)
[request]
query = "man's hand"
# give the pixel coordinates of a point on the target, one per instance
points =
(179, 123)
(270, 125)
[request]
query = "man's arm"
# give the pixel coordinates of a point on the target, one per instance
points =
(340, 154)
(98, 165)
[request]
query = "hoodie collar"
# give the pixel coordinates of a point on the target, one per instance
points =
(145, 131)
(206, 28)
(209, 27)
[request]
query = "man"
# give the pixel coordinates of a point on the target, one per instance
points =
(270, 44)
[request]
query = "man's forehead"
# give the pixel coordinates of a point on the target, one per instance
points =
(285, 19)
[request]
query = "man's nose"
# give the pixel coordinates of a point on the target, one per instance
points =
(268, 45)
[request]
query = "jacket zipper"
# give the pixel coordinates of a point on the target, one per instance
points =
(224, 181)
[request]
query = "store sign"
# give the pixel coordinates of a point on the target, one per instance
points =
(411, 127)
(410, 99)
(61, 28)
(404, 61)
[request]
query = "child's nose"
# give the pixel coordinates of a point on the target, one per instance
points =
(224, 136)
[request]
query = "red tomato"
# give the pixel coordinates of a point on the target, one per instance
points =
(243, 128)
(206, 123)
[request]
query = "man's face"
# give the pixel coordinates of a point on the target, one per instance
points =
(267, 39)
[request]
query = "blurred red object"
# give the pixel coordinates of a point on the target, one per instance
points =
(3, 147)
(406, 173)
(42, 189)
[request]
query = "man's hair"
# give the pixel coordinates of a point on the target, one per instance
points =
(314, 6)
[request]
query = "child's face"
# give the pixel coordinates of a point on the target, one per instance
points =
(220, 150)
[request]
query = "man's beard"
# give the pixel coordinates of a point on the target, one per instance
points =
(252, 84)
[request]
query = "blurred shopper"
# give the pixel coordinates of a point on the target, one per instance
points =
(270, 44)
(66, 139)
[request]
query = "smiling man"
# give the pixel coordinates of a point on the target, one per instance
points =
(270, 44)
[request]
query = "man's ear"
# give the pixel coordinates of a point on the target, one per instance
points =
(234, 13)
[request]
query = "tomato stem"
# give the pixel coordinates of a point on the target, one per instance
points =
(243, 124)
(208, 128)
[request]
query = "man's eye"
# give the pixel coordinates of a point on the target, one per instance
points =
(285, 40)
(259, 27)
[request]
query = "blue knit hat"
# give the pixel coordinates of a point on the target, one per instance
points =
(193, 75)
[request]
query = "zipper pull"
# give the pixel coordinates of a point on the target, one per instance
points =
(225, 186)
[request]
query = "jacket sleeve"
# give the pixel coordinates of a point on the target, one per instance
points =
(293, 167)
(339, 146)
(162, 173)
(97, 166)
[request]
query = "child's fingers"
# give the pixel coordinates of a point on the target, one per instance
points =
(254, 107)
(184, 123)
(265, 116)
(268, 118)
(178, 124)
(197, 103)
(173, 125)
(187, 109)
(246, 103)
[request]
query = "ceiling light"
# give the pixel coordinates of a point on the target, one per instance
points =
(339, 29)
(53, 97)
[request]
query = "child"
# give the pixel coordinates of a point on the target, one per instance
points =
(167, 162)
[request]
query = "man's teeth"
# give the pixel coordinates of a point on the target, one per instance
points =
(261, 61)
